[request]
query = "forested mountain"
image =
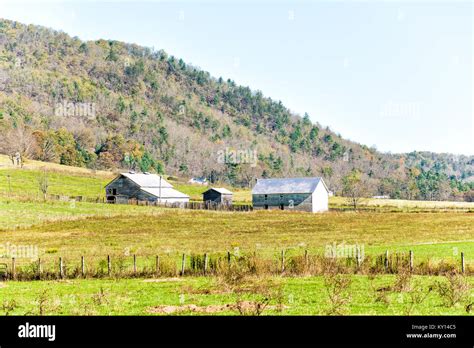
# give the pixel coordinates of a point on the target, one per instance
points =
(112, 105)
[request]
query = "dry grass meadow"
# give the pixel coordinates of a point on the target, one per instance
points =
(437, 232)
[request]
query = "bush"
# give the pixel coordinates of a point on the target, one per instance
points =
(337, 287)
(455, 289)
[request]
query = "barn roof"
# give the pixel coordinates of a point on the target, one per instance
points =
(287, 185)
(147, 180)
(221, 190)
(166, 192)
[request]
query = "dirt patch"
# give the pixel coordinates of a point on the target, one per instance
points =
(163, 280)
(243, 306)
(189, 308)
(189, 289)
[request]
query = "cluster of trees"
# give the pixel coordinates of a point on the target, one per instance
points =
(74, 149)
(154, 112)
(418, 184)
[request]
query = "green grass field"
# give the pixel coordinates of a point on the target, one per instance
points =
(74, 229)
(16, 213)
(435, 231)
(92, 230)
(298, 296)
(63, 180)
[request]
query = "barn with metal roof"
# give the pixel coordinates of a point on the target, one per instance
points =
(300, 194)
(143, 187)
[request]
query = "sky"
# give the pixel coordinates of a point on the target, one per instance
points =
(396, 75)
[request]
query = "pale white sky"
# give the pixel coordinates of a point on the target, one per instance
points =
(392, 74)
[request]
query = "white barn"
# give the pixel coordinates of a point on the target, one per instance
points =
(302, 194)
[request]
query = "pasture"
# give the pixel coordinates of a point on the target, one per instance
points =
(437, 232)
(208, 296)
(72, 230)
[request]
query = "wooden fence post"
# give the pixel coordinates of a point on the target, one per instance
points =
(83, 267)
(282, 260)
(134, 264)
(183, 261)
(306, 259)
(61, 272)
(386, 261)
(411, 260)
(109, 265)
(13, 268)
(157, 265)
(463, 265)
(205, 263)
(358, 258)
(39, 268)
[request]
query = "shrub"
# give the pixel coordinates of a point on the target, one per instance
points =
(337, 287)
(455, 289)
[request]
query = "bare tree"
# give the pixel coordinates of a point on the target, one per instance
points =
(17, 144)
(43, 183)
(248, 175)
(354, 188)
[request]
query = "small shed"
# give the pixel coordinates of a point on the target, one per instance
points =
(303, 194)
(218, 195)
(143, 187)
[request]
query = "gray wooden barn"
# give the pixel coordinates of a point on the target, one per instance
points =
(217, 195)
(142, 187)
(302, 194)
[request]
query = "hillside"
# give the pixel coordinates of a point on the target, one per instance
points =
(109, 105)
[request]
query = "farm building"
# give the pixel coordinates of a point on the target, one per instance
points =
(198, 181)
(143, 187)
(217, 195)
(302, 194)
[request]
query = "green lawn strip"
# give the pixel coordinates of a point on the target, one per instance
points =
(301, 296)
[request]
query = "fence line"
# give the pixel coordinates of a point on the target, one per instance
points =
(182, 205)
(222, 263)
(194, 205)
(54, 197)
